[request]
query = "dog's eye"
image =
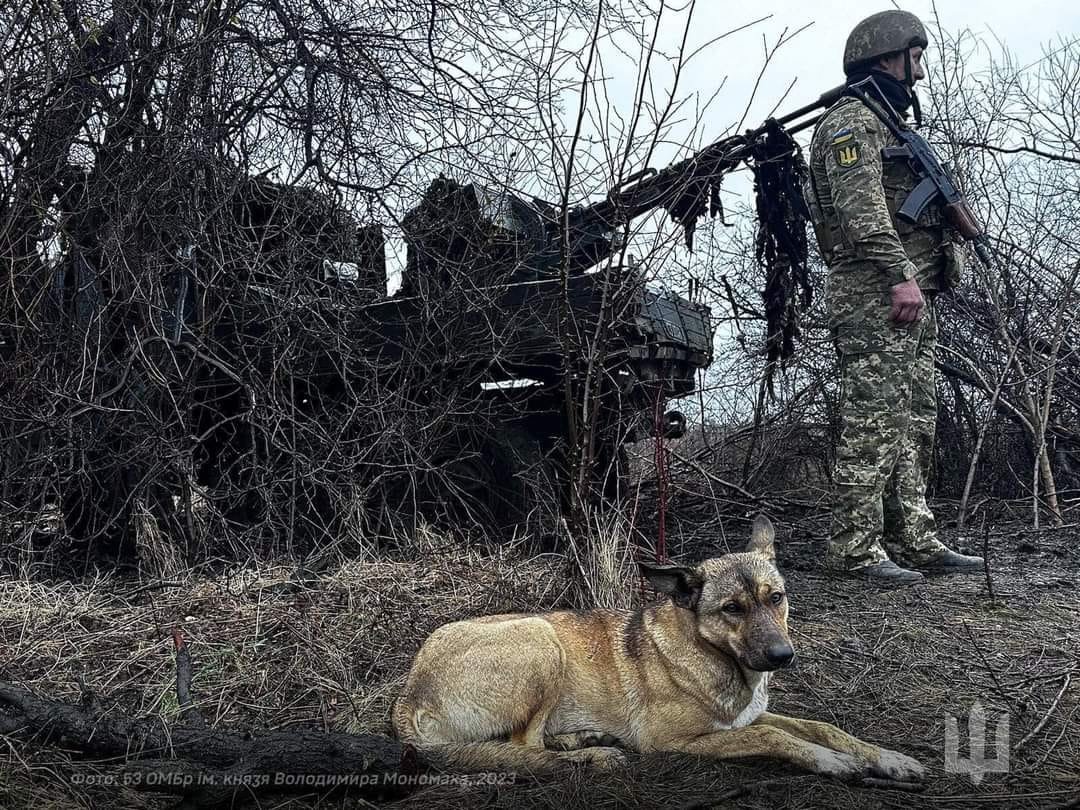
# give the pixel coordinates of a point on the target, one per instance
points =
(731, 607)
(777, 597)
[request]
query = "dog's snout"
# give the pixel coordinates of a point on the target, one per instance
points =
(779, 655)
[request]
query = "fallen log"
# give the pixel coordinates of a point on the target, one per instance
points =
(211, 766)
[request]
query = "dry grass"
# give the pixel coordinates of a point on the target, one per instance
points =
(275, 645)
(604, 564)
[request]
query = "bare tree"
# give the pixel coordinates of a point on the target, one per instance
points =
(1012, 133)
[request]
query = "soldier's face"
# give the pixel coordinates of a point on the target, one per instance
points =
(894, 65)
(917, 71)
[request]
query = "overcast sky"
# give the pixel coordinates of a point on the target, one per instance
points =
(812, 58)
(1024, 25)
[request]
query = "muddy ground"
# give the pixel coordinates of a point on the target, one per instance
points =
(888, 666)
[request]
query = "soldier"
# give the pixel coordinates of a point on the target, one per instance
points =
(884, 275)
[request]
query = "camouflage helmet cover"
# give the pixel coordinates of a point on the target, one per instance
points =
(881, 34)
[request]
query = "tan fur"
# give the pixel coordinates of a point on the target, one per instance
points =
(532, 692)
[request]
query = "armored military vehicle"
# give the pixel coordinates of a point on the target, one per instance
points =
(523, 328)
(517, 347)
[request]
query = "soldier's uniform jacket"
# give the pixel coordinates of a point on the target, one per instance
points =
(854, 195)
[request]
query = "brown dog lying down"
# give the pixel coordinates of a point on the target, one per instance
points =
(529, 692)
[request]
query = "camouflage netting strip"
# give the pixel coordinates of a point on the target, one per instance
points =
(779, 171)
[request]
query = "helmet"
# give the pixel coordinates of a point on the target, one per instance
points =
(881, 34)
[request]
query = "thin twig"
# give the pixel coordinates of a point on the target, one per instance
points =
(889, 784)
(986, 664)
(1039, 726)
(1065, 727)
(155, 586)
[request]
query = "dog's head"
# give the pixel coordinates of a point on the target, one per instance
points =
(738, 600)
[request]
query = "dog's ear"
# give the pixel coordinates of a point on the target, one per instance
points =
(681, 583)
(763, 538)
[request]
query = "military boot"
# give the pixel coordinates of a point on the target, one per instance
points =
(885, 572)
(948, 561)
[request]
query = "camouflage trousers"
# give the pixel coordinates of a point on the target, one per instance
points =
(888, 413)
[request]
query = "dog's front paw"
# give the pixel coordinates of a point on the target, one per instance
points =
(901, 767)
(602, 758)
(836, 763)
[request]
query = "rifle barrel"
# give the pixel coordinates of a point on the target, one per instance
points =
(809, 122)
(826, 99)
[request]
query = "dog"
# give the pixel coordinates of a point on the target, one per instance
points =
(535, 691)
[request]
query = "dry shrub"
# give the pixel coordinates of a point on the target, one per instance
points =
(604, 562)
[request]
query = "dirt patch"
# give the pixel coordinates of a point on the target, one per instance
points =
(275, 646)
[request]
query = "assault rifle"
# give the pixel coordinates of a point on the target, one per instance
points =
(936, 184)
